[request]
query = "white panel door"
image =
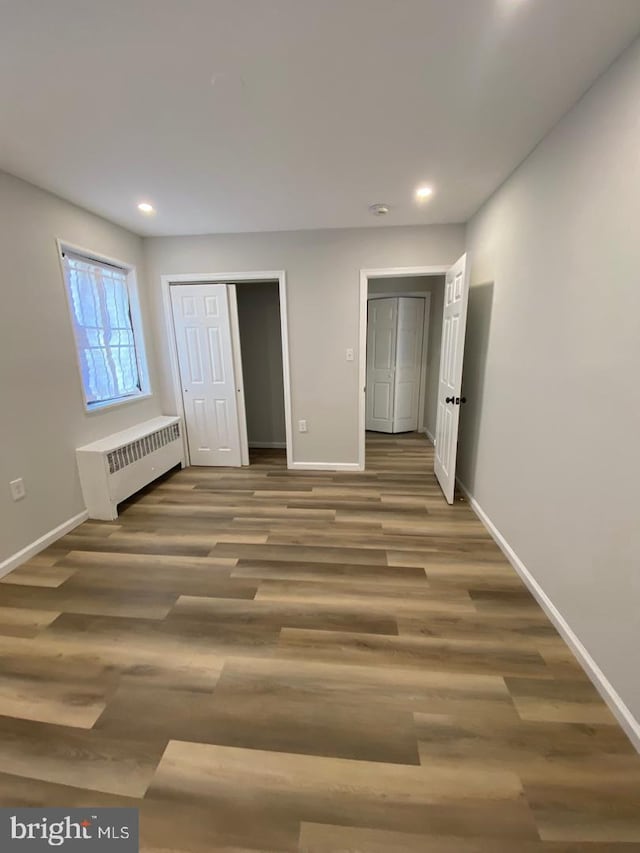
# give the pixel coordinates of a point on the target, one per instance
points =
(203, 339)
(381, 361)
(456, 296)
(408, 363)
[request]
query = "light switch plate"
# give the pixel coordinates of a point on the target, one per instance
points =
(350, 354)
(302, 426)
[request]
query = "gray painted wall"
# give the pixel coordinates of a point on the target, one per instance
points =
(433, 363)
(435, 286)
(402, 284)
(261, 344)
(549, 437)
(42, 418)
(323, 269)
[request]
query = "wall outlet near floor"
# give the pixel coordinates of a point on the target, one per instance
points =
(18, 490)
(302, 426)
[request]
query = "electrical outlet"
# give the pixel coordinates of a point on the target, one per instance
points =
(18, 490)
(302, 426)
(350, 354)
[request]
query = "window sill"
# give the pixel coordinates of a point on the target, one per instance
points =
(114, 404)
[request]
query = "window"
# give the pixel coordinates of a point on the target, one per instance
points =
(108, 338)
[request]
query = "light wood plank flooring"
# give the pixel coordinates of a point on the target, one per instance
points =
(267, 660)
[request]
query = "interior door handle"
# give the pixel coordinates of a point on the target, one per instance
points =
(456, 400)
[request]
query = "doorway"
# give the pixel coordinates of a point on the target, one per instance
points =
(446, 380)
(203, 324)
(260, 337)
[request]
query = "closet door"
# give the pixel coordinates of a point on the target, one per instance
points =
(381, 361)
(408, 365)
(203, 341)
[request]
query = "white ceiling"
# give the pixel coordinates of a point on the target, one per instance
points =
(319, 107)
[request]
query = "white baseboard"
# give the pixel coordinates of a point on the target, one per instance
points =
(40, 544)
(628, 722)
(325, 466)
(426, 432)
(268, 444)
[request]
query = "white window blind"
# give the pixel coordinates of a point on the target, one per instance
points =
(101, 313)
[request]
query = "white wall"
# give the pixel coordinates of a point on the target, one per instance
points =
(42, 418)
(323, 270)
(549, 443)
(261, 345)
(433, 284)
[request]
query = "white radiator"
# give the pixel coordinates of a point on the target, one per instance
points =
(117, 466)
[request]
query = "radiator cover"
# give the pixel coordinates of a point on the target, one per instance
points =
(114, 468)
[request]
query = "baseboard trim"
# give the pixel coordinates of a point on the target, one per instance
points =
(628, 722)
(268, 444)
(40, 544)
(325, 466)
(426, 432)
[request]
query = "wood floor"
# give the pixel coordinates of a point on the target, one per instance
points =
(269, 660)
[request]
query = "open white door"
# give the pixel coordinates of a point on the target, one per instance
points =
(234, 322)
(408, 363)
(203, 340)
(382, 327)
(456, 296)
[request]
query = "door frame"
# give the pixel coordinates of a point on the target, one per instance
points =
(365, 275)
(174, 372)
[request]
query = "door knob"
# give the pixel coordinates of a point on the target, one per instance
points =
(456, 400)
(450, 400)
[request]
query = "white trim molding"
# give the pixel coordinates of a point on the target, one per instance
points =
(426, 432)
(40, 544)
(325, 466)
(365, 275)
(228, 278)
(628, 722)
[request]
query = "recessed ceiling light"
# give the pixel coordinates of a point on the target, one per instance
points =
(424, 192)
(379, 209)
(145, 207)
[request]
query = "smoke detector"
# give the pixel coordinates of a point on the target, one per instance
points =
(379, 209)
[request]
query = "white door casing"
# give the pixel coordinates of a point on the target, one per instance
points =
(205, 358)
(408, 363)
(381, 360)
(454, 319)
